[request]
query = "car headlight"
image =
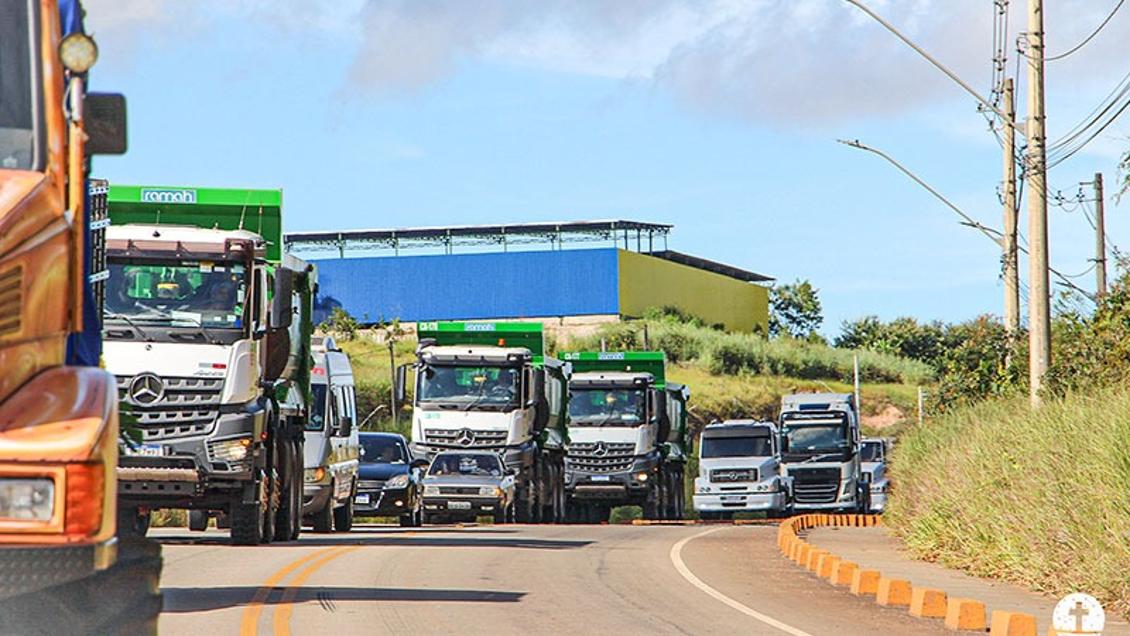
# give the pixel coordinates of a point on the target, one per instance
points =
(431, 490)
(27, 499)
(490, 491)
(398, 481)
(314, 475)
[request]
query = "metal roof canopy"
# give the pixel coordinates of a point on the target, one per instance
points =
(711, 266)
(554, 233)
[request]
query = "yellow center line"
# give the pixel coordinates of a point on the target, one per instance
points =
(285, 606)
(249, 625)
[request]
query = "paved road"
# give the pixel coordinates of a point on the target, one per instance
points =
(509, 580)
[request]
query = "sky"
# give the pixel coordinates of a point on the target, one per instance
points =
(718, 116)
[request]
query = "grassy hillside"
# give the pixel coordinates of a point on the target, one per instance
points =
(1039, 498)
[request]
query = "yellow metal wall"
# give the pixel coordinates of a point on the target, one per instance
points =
(647, 281)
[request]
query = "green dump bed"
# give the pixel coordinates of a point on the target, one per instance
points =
(258, 211)
(526, 335)
(653, 362)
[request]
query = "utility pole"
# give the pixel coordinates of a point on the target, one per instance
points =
(1100, 239)
(1039, 297)
(1011, 266)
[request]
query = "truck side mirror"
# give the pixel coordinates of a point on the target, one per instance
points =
(400, 389)
(658, 405)
(345, 426)
(105, 123)
(282, 313)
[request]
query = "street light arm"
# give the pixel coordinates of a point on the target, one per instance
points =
(994, 235)
(941, 67)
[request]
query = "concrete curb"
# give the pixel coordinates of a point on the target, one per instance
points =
(959, 614)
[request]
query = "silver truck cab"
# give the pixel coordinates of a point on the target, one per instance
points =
(739, 470)
(332, 442)
(874, 452)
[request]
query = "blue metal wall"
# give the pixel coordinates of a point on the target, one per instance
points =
(468, 286)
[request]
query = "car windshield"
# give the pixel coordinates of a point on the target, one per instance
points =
(800, 438)
(382, 450)
(18, 88)
(596, 407)
(736, 447)
(317, 419)
(871, 452)
(185, 294)
(448, 464)
(472, 386)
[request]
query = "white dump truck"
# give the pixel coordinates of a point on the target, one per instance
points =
(489, 386)
(739, 470)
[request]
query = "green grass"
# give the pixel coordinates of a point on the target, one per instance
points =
(1038, 498)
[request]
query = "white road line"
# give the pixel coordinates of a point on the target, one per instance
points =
(677, 561)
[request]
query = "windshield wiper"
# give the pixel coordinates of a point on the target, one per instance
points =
(132, 324)
(816, 458)
(204, 331)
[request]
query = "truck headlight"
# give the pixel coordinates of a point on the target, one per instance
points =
(879, 488)
(398, 481)
(490, 491)
(431, 490)
(231, 450)
(641, 477)
(703, 489)
(314, 475)
(27, 499)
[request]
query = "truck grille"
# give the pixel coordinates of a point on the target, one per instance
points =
(602, 457)
(815, 485)
(723, 475)
(464, 438)
(184, 407)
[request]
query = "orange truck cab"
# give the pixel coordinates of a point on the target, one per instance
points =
(58, 410)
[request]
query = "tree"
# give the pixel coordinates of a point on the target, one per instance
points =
(794, 310)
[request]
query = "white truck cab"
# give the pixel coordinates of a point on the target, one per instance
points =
(332, 441)
(820, 442)
(739, 471)
(873, 454)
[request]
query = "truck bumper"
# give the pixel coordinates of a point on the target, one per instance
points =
(619, 486)
(768, 501)
(30, 568)
(315, 497)
(878, 502)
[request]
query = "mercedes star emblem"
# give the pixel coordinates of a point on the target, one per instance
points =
(146, 389)
(601, 450)
(466, 437)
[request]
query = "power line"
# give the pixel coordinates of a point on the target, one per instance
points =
(1089, 37)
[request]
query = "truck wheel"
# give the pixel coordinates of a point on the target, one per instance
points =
(651, 504)
(133, 522)
(198, 520)
(271, 505)
(343, 516)
(246, 523)
(284, 522)
(499, 516)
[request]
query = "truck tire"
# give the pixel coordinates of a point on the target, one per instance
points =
(288, 478)
(271, 507)
(651, 504)
(198, 520)
(323, 519)
(246, 523)
(133, 523)
(343, 515)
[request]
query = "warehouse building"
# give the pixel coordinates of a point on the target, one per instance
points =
(493, 281)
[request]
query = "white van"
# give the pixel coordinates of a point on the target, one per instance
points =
(333, 446)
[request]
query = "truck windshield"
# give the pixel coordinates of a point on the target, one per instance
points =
(871, 452)
(801, 438)
(184, 294)
(736, 447)
(470, 386)
(381, 450)
(317, 420)
(599, 407)
(19, 119)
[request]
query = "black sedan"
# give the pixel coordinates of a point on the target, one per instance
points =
(389, 479)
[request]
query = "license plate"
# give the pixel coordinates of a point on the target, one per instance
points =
(733, 498)
(146, 450)
(600, 478)
(362, 499)
(458, 505)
